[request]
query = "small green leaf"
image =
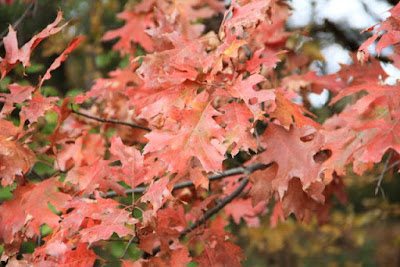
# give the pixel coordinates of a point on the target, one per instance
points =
(34, 68)
(5, 193)
(49, 91)
(74, 92)
(45, 230)
(27, 248)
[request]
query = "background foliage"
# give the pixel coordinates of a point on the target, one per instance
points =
(365, 231)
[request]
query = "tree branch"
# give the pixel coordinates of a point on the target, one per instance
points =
(216, 209)
(103, 120)
(346, 38)
(225, 201)
(235, 171)
(18, 21)
(385, 169)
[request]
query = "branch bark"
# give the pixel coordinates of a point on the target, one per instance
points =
(225, 201)
(235, 171)
(99, 119)
(216, 209)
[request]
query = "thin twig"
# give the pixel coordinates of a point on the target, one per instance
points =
(17, 22)
(39, 241)
(216, 209)
(394, 164)
(116, 240)
(127, 246)
(385, 169)
(206, 215)
(235, 171)
(35, 9)
(132, 125)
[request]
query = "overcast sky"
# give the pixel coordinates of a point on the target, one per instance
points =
(356, 14)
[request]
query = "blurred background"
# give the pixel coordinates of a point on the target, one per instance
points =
(364, 232)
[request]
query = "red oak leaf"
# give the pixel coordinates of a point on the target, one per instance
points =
(174, 66)
(301, 203)
(58, 254)
(18, 95)
(97, 176)
(15, 159)
(313, 82)
(199, 136)
(196, 175)
(293, 151)
(15, 55)
(288, 113)
(358, 73)
(99, 219)
(153, 103)
(277, 214)
(268, 59)
(80, 256)
(86, 150)
(180, 257)
(218, 250)
(157, 194)
(367, 128)
(243, 89)
(245, 16)
(61, 58)
(134, 30)
(390, 36)
(238, 127)
(36, 108)
(243, 208)
(387, 135)
(30, 208)
(344, 147)
(262, 189)
(347, 137)
(132, 162)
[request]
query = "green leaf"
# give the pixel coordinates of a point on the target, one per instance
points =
(5, 193)
(3, 84)
(34, 68)
(43, 169)
(73, 92)
(27, 248)
(49, 91)
(45, 230)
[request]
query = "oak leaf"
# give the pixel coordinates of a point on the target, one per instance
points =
(132, 31)
(18, 95)
(15, 55)
(238, 127)
(30, 208)
(132, 169)
(244, 89)
(288, 113)
(15, 159)
(293, 151)
(199, 136)
(36, 108)
(99, 219)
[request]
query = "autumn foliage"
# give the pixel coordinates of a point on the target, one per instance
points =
(204, 129)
